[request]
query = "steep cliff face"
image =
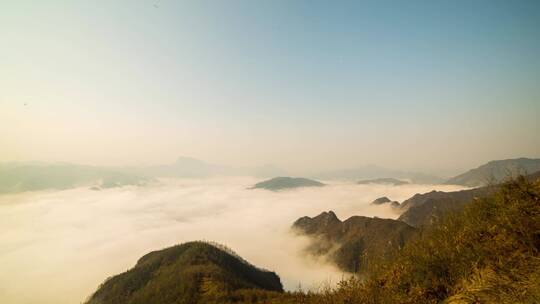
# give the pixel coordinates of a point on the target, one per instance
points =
(425, 209)
(354, 244)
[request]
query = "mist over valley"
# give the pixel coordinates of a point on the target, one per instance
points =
(101, 233)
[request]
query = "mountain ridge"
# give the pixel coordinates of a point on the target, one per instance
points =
(353, 244)
(496, 171)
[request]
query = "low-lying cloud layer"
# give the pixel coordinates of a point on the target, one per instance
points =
(57, 247)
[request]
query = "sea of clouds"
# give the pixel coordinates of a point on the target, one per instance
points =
(56, 247)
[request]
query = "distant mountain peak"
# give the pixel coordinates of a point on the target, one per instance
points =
(313, 225)
(381, 200)
(385, 200)
(496, 171)
(285, 182)
(327, 216)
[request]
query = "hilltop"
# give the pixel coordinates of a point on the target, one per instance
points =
(385, 200)
(282, 183)
(194, 272)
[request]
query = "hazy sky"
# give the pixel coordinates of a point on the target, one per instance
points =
(300, 84)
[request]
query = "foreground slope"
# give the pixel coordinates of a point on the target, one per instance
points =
(195, 272)
(487, 253)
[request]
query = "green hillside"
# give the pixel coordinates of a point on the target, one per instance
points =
(195, 272)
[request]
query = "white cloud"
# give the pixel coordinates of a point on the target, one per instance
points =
(57, 247)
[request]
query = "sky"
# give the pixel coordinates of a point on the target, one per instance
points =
(428, 85)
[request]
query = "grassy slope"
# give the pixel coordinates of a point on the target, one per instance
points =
(488, 253)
